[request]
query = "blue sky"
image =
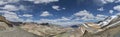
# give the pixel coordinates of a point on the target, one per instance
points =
(62, 12)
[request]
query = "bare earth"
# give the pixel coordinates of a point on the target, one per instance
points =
(16, 32)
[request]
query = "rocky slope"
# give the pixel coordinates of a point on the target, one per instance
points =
(8, 30)
(3, 19)
(109, 30)
(46, 31)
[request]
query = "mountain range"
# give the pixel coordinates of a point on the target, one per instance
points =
(106, 28)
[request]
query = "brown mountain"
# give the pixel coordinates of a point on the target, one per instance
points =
(3, 19)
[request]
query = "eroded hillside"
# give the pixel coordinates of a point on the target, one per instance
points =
(46, 31)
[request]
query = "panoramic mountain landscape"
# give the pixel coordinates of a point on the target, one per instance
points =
(106, 28)
(59, 18)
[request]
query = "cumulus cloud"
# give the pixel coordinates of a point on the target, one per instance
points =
(22, 7)
(81, 15)
(117, 1)
(10, 8)
(13, 7)
(45, 13)
(100, 17)
(60, 21)
(11, 1)
(103, 2)
(42, 1)
(68, 23)
(8, 12)
(110, 0)
(100, 9)
(3, 2)
(111, 11)
(27, 15)
(63, 8)
(11, 16)
(65, 18)
(86, 15)
(56, 7)
(117, 7)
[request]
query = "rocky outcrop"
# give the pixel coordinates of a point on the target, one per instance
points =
(111, 32)
(4, 24)
(3, 19)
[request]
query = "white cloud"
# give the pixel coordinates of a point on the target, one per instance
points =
(117, 7)
(110, 1)
(13, 7)
(117, 1)
(22, 7)
(59, 21)
(86, 15)
(65, 18)
(3, 3)
(106, 1)
(56, 8)
(42, 1)
(12, 1)
(118, 14)
(68, 23)
(45, 21)
(100, 17)
(82, 13)
(101, 9)
(45, 13)
(111, 11)
(28, 20)
(10, 8)
(63, 8)
(63, 21)
(103, 2)
(27, 15)
(11, 16)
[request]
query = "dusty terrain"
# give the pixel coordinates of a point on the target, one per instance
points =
(46, 31)
(7, 30)
(16, 32)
